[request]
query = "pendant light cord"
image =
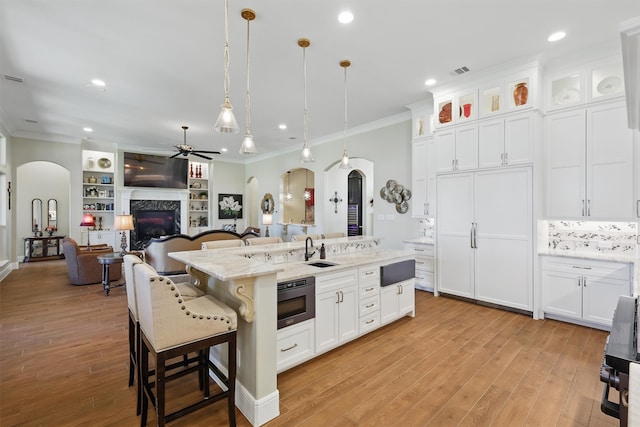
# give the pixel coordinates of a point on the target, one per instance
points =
(304, 72)
(248, 99)
(345, 111)
(226, 50)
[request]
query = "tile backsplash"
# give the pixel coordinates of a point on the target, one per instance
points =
(592, 236)
(426, 228)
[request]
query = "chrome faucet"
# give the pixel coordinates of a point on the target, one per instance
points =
(308, 255)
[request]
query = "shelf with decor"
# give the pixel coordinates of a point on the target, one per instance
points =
(99, 188)
(198, 197)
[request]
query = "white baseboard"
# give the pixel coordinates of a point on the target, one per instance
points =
(258, 412)
(7, 268)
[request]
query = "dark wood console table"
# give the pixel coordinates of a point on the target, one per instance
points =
(42, 248)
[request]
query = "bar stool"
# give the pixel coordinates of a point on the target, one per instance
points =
(172, 326)
(187, 290)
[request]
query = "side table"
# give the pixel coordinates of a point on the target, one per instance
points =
(106, 260)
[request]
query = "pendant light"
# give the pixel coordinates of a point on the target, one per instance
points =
(344, 163)
(226, 122)
(305, 156)
(248, 147)
(288, 195)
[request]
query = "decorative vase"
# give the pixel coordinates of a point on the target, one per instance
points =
(520, 94)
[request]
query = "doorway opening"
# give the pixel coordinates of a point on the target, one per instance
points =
(354, 208)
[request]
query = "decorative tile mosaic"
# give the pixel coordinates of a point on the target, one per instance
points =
(593, 236)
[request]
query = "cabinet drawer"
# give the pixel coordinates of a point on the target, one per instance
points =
(369, 322)
(608, 269)
(425, 263)
(424, 277)
(420, 250)
(295, 344)
(369, 305)
(334, 281)
(369, 274)
(369, 289)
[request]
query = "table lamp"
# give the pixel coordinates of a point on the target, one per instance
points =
(88, 221)
(267, 220)
(124, 223)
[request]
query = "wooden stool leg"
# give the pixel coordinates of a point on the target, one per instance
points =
(144, 369)
(160, 387)
(231, 399)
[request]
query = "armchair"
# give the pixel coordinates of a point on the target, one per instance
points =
(82, 263)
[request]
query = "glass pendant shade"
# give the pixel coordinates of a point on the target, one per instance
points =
(248, 147)
(344, 163)
(226, 122)
(305, 155)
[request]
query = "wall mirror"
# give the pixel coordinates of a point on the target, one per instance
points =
(298, 196)
(36, 215)
(267, 204)
(52, 216)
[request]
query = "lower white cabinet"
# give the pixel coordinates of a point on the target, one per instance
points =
(295, 344)
(424, 255)
(100, 237)
(369, 298)
(336, 309)
(397, 300)
(583, 290)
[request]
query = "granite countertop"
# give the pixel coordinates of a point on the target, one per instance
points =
(231, 263)
(421, 240)
(590, 255)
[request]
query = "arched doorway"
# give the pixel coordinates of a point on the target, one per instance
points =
(355, 207)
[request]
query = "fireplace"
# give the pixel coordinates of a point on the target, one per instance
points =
(153, 218)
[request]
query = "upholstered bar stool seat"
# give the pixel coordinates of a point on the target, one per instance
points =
(171, 326)
(254, 241)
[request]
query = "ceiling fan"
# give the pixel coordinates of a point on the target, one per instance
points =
(186, 149)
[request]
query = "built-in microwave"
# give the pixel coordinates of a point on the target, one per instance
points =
(296, 301)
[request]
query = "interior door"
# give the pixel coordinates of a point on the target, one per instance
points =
(503, 237)
(455, 217)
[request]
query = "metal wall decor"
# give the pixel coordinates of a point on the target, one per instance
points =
(335, 200)
(398, 194)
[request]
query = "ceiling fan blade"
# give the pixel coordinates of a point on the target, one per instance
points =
(200, 155)
(203, 151)
(175, 155)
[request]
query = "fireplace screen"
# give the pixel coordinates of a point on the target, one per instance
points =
(155, 223)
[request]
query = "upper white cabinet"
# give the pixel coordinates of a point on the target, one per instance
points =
(419, 207)
(593, 82)
(457, 148)
(590, 170)
(506, 141)
(421, 115)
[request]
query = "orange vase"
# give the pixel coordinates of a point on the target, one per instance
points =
(520, 94)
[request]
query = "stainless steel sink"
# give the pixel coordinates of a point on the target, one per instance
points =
(322, 264)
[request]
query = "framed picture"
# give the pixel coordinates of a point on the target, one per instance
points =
(229, 206)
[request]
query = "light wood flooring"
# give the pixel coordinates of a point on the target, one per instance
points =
(64, 362)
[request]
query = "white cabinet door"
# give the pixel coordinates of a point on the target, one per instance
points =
(327, 320)
(407, 298)
(566, 164)
(610, 189)
(466, 147)
(445, 141)
(519, 135)
(431, 178)
(503, 237)
(455, 217)
(419, 178)
(562, 293)
(388, 303)
(600, 298)
(348, 314)
(491, 143)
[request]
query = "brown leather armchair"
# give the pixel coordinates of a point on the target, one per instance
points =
(82, 263)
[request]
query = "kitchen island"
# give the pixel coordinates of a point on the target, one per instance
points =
(246, 279)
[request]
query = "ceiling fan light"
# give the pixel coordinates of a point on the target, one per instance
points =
(305, 155)
(248, 148)
(226, 122)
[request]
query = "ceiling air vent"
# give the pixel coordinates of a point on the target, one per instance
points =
(13, 79)
(459, 71)
(31, 121)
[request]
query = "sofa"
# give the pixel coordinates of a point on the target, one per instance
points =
(157, 249)
(82, 262)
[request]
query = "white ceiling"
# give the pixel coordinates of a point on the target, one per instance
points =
(163, 62)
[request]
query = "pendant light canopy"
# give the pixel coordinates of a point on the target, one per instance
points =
(248, 147)
(344, 163)
(226, 122)
(305, 156)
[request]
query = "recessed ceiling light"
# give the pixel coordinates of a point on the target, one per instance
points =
(98, 82)
(87, 129)
(430, 82)
(558, 35)
(345, 17)
(224, 150)
(282, 126)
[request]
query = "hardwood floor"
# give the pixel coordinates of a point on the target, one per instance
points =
(64, 361)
